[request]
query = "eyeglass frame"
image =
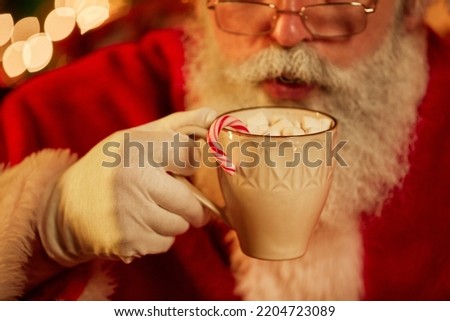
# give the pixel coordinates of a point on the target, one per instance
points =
(367, 10)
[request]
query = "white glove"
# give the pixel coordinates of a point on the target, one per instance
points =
(124, 212)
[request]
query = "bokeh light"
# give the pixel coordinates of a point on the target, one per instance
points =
(24, 47)
(6, 28)
(60, 23)
(13, 59)
(37, 52)
(91, 17)
(25, 28)
(76, 5)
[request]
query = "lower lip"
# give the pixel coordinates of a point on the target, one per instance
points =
(281, 91)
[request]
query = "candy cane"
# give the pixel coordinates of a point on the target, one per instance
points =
(225, 121)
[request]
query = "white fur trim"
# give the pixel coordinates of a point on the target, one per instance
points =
(330, 270)
(101, 284)
(24, 190)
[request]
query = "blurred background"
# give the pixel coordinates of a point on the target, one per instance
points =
(75, 28)
(38, 35)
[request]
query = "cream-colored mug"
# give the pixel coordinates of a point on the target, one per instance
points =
(280, 186)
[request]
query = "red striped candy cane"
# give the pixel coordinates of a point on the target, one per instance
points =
(225, 121)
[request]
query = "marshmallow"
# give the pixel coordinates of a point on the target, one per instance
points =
(281, 124)
(312, 130)
(275, 119)
(258, 129)
(273, 132)
(291, 131)
(275, 125)
(310, 123)
(325, 123)
(258, 119)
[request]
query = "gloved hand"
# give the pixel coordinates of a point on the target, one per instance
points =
(113, 204)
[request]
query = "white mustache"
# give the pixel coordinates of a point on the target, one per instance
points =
(299, 63)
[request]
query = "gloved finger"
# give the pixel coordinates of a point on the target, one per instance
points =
(164, 222)
(185, 155)
(154, 244)
(173, 152)
(144, 244)
(201, 117)
(176, 197)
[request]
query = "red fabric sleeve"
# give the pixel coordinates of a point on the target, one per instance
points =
(407, 248)
(78, 105)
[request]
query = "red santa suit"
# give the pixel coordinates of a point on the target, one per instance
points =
(406, 250)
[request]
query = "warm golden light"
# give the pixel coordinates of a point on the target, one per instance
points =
(37, 52)
(438, 17)
(6, 28)
(25, 28)
(23, 46)
(91, 17)
(60, 23)
(76, 5)
(100, 3)
(119, 7)
(13, 63)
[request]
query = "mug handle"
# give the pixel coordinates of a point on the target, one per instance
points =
(201, 132)
(200, 196)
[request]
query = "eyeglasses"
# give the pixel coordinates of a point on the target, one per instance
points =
(323, 21)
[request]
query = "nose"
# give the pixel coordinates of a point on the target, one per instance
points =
(289, 30)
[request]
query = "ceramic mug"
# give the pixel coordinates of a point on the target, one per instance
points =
(280, 186)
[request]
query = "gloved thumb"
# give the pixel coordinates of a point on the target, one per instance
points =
(200, 118)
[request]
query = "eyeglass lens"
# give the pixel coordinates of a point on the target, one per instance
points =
(331, 20)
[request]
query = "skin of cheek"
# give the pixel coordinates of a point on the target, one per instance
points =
(341, 53)
(344, 53)
(238, 48)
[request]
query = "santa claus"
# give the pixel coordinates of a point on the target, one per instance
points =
(74, 229)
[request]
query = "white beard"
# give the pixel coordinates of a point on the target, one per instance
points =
(375, 102)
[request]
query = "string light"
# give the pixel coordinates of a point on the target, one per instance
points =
(91, 17)
(13, 62)
(26, 47)
(6, 28)
(60, 23)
